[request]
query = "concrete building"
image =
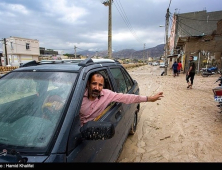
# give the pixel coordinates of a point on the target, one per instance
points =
(20, 50)
(198, 34)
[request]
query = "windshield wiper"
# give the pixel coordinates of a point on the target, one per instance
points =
(20, 159)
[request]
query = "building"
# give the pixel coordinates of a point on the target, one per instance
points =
(48, 54)
(198, 34)
(19, 50)
(44, 51)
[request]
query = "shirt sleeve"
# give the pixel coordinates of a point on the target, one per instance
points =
(126, 98)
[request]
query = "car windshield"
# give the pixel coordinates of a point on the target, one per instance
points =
(31, 106)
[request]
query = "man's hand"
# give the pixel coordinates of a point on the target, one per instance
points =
(155, 97)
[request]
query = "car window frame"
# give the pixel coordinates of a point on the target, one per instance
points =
(127, 79)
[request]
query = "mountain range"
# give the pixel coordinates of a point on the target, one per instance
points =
(153, 52)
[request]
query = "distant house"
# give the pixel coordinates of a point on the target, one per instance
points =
(44, 51)
(48, 54)
(20, 50)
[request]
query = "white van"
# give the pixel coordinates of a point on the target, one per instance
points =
(162, 65)
(155, 64)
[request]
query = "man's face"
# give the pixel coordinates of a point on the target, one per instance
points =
(190, 58)
(95, 86)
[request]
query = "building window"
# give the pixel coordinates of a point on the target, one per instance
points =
(27, 46)
(11, 45)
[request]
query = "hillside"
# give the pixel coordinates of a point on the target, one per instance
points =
(153, 52)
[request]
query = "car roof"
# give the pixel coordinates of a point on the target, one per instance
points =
(70, 65)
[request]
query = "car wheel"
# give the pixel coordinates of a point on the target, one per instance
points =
(134, 124)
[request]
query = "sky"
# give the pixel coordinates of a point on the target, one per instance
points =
(62, 25)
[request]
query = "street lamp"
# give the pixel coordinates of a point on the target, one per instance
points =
(109, 3)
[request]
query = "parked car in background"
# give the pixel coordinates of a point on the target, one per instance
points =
(155, 64)
(162, 65)
(35, 130)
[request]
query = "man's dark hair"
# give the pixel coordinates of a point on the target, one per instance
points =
(94, 73)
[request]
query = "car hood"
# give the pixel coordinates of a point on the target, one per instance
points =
(16, 158)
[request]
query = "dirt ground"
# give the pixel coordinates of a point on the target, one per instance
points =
(184, 126)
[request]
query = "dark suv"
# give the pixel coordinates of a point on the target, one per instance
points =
(36, 130)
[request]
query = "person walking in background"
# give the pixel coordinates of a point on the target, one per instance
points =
(190, 73)
(179, 68)
(174, 67)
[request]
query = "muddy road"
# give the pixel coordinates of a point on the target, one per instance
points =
(185, 126)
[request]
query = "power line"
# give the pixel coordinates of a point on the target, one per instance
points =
(122, 13)
(181, 28)
(190, 27)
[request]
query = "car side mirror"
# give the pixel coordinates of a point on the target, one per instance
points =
(94, 130)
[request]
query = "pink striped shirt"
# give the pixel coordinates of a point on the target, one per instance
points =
(91, 109)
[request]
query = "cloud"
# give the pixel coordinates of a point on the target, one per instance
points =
(61, 24)
(13, 9)
(63, 11)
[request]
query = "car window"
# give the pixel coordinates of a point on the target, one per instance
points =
(129, 81)
(123, 81)
(107, 84)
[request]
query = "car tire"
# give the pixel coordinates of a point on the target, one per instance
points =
(134, 124)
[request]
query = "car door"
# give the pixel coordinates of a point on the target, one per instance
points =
(125, 84)
(101, 150)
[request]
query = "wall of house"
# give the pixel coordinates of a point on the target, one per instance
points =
(207, 49)
(205, 52)
(197, 23)
(17, 45)
(172, 36)
(218, 45)
(20, 50)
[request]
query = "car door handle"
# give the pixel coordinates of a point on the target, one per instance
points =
(118, 115)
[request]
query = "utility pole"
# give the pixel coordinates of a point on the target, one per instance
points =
(109, 3)
(144, 52)
(166, 46)
(75, 50)
(6, 58)
(96, 54)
